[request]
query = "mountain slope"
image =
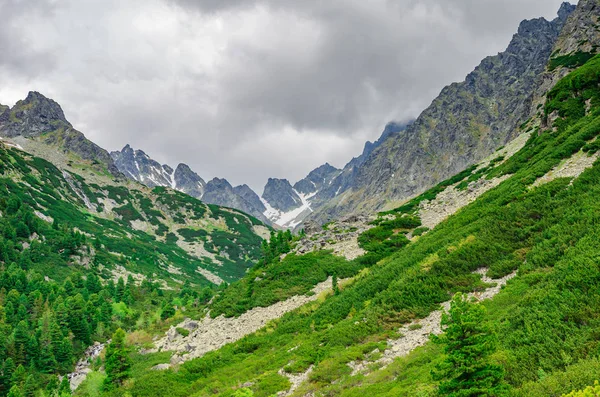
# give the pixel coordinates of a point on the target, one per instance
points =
(464, 124)
(156, 232)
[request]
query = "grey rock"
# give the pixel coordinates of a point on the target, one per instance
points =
(317, 179)
(220, 192)
(32, 117)
(245, 192)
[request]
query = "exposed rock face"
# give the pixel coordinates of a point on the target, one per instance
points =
(219, 191)
(33, 117)
(281, 195)
(3, 108)
(40, 118)
(579, 35)
(463, 125)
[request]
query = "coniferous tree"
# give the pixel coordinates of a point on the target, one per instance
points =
(65, 387)
(8, 368)
(14, 392)
(468, 343)
(117, 362)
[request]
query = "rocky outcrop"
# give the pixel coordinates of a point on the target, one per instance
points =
(220, 192)
(246, 193)
(463, 125)
(40, 118)
(32, 117)
(82, 368)
(340, 236)
(579, 36)
(580, 33)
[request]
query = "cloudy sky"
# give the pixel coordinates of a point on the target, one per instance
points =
(247, 89)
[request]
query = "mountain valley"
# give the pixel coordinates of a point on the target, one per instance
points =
(458, 255)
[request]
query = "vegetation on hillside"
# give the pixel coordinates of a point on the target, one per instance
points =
(545, 320)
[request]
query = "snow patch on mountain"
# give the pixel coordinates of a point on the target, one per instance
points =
(292, 218)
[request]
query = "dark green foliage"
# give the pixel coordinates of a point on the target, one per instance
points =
(468, 343)
(117, 363)
(128, 213)
(279, 280)
(192, 235)
(570, 61)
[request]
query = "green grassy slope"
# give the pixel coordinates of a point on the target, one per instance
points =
(546, 319)
(162, 234)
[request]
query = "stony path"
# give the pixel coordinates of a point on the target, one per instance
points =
(211, 334)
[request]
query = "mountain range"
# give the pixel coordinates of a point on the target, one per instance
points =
(463, 125)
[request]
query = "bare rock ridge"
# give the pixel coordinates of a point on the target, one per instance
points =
(463, 125)
(39, 118)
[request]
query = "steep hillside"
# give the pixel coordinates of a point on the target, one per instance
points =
(364, 338)
(463, 125)
(158, 233)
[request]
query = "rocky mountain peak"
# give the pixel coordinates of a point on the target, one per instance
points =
(245, 192)
(40, 118)
(316, 179)
(32, 117)
(565, 10)
(580, 33)
(463, 125)
(138, 166)
(281, 195)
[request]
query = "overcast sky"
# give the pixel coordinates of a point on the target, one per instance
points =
(247, 89)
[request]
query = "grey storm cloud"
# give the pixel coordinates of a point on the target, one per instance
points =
(247, 89)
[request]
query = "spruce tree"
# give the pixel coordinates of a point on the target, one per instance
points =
(14, 392)
(468, 343)
(117, 362)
